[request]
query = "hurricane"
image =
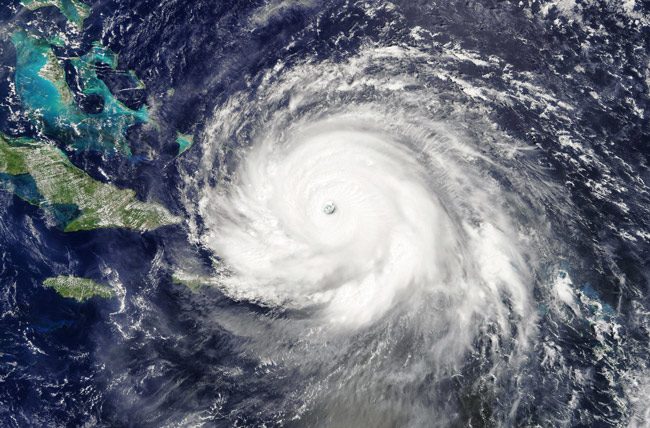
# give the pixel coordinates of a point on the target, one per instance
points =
(357, 200)
(290, 213)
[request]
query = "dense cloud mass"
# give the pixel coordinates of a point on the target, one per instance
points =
(423, 238)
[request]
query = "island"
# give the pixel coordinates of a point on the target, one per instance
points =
(80, 289)
(193, 282)
(43, 90)
(74, 10)
(42, 175)
(184, 141)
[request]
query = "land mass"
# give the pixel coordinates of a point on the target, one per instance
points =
(185, 141)
(42, 175)
(80, 289)
(74, 10)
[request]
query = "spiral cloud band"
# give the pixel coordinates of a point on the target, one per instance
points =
(366, 208)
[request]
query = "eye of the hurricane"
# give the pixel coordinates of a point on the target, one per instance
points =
(329, 208)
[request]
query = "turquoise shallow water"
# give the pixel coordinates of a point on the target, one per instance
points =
(44, 92)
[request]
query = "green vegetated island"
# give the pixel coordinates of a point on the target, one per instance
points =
(80, 289)
(41, 174)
